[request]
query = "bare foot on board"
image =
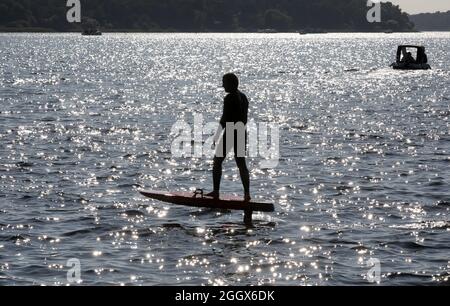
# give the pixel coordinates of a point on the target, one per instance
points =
(215, 195)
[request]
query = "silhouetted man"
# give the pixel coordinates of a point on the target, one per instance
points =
(235, 114)
(409, 59)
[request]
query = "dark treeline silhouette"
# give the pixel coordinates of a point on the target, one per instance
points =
(204, 15)
(439, 21)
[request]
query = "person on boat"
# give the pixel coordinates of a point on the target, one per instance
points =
(409, 59)
(422, 57)
(235, 113)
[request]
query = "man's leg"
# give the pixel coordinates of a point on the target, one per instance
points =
(240, 146)
(245, 176)
(221, 152)
(217, 175)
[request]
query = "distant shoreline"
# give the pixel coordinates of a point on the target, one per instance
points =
(45, 30)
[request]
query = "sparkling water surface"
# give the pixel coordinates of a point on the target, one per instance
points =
(364, 170)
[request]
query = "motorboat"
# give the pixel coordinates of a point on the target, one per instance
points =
(406, 61)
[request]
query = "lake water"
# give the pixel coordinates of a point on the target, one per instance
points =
(364, 169)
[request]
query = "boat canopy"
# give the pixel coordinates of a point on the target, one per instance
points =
(420, 58)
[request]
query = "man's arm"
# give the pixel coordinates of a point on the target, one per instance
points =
(223, 122)
(246, 107)
(226, 113)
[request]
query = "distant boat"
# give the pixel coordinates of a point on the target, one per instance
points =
(420, 62)
(302, 32)
(388, 31)
(91, 32)
(267, 31)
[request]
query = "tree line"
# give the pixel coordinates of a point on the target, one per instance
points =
(439, 21)
(204, 15)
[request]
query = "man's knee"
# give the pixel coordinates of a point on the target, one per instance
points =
(218, 161)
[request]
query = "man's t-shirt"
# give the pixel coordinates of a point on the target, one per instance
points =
(235, 109)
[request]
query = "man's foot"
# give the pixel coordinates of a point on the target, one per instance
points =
(247, 197)
(215, 195)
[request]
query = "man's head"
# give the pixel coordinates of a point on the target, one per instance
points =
(230, 82)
